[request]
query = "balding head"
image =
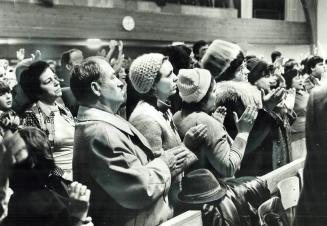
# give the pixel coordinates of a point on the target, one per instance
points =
(90, 70)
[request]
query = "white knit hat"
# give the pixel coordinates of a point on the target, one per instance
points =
(193, 84)
(144, 70)
(219, 55)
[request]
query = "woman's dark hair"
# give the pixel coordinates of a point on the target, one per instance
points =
(258, 69)
(197, 45)
(179, 57)
(312, 62)
(30, 79)
(33, 173)
(199, 105)
(229, 73)
(288, 76)
(290, 64)
(38, 147)
(304, 62)
(4, 88)
(274, 55)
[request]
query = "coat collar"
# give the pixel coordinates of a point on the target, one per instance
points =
(94, 114)
(47, 109)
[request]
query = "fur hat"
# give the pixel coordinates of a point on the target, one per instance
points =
(257, 68)
(144, 70)
(193, 84)
(219, 55)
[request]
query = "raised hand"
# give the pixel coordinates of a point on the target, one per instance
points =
(37, 55)
(102, 53)
(112, 44)
(120, 45)
(220, 114)
(20, 54)
(245, 123)
(273, 98)
(290, 99)
(281, 80)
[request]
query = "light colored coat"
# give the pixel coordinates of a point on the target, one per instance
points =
(219, 153)
(115, 161)
(152, 124)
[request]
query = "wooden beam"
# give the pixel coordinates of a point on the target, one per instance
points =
(281, 173)
(21, 20)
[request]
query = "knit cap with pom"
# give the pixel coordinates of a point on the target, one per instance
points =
(193, 84)
(144, 70)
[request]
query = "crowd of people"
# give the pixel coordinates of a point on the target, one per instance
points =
(115, 141)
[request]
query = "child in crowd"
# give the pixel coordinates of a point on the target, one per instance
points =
(8, 117)
(8, 120)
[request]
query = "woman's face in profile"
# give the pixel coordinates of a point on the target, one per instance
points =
(50, 86)
(211, 102)
(241, 73)
(167, 85)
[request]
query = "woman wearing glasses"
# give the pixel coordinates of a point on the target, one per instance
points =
(42, 86)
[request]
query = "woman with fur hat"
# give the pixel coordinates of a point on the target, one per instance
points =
(219, 153)
(153, 79)
(225, 61)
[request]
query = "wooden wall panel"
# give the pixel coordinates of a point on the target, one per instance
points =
(22, 20)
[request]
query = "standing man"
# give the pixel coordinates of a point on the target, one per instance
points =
(69, 59)
(317, 73)
(129, 186)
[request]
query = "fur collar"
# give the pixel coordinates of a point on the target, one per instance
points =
(233, 91)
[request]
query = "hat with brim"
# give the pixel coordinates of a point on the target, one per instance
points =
(199, 187)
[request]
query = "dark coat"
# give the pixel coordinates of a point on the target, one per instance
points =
(37, 204)
(312, 206)
(240, 204)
